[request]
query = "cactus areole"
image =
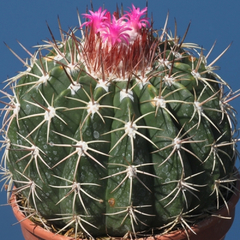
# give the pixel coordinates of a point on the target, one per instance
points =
(123, 131)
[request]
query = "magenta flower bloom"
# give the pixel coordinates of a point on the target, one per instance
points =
(125, 29)
(96, 19)
(115, 31)
(134, 18)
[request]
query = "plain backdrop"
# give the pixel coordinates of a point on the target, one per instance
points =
(25, 21)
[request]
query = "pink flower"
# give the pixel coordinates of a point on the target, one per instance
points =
(115, 31)
(96, 19)
(134, 18)
(125, 29)
(115, 46)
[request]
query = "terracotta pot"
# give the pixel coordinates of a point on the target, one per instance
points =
(213, 228)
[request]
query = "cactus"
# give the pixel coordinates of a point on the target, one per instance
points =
(122, 131)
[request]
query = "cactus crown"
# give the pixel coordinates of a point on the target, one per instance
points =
(121, 132)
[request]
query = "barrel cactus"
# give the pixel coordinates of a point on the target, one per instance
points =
(123, 131)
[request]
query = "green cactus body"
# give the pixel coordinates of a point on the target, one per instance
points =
(119, 135)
